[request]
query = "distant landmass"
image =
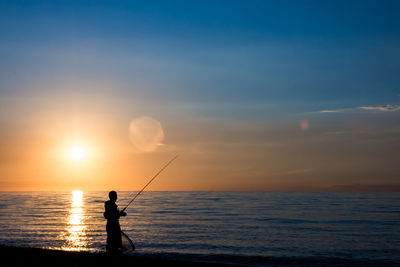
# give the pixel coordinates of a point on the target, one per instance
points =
(366, 188)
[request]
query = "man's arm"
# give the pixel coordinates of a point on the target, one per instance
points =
(112, 212)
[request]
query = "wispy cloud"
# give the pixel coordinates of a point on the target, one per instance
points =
(383, 108)
(331, 111)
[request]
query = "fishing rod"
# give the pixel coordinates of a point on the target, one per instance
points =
(154, 177)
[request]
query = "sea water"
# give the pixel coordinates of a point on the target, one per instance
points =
(206, 225)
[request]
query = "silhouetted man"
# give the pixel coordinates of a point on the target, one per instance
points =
(112, 214)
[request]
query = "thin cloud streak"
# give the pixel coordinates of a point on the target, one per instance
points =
(384, 108)
(390, 108)
(329, 111)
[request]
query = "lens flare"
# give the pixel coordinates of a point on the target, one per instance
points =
(146, 134)
(304, 125)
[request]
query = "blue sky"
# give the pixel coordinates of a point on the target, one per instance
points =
(255, 63)
(294, 53)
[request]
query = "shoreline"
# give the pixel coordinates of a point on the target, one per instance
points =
(25, 256)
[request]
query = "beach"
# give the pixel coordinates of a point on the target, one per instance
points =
(15, 256)
(18, 256)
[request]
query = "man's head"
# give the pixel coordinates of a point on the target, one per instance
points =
(113, 196)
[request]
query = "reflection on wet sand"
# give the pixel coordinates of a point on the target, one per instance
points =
(75, 234)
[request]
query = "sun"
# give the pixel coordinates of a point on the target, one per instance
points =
(77, 153)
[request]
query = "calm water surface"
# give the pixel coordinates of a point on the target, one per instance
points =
(246, 224)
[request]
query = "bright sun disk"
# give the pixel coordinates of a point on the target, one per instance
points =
(77, 153)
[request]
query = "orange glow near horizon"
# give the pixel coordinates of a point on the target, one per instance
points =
(94, 151)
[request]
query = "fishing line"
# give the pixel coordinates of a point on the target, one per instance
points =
(154, 177)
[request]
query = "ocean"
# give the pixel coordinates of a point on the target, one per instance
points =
(241, 227)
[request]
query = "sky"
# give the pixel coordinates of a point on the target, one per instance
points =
(253, 95)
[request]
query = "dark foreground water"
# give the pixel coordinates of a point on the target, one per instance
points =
(236, 226)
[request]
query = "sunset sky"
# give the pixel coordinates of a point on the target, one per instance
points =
(253, 95)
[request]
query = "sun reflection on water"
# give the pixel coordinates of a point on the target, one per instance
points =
(75, 234)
